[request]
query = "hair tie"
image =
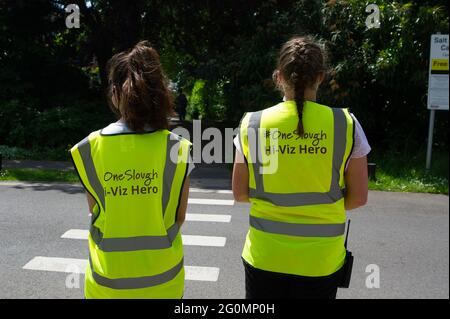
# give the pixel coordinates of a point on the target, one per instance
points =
(294, 76)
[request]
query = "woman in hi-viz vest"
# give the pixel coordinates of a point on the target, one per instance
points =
(301, 165)
(135, 173)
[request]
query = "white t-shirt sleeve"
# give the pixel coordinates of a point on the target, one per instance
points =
(191, 165)
(237, 144)
(361, 146)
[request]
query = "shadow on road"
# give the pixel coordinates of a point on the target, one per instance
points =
(65, 188)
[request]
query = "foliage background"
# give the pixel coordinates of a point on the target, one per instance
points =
(222, 53)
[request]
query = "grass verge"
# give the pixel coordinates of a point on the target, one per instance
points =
(405, 172)
(39, 175)
(414, 182)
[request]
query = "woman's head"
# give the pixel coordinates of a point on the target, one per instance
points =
(300, 69)
(137, 90)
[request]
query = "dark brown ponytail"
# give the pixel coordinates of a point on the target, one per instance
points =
(300, 62)
(138, 88)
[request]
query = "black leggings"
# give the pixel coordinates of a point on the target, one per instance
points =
(261, 284)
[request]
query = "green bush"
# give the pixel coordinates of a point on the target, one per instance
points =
(31, 133)
(382, 73)
(196, 102)
(207, 101)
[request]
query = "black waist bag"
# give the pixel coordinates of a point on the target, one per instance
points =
(346, 270)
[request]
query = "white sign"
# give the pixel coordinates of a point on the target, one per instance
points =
(438, 73)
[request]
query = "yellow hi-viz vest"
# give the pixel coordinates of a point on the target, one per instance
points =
(135, 247)
(297, 214)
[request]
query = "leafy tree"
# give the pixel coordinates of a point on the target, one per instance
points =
(382, 73)
(223, 53)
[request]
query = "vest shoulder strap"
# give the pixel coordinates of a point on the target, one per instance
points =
(84, 166)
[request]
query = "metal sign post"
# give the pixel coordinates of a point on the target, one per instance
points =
(430, 139)
(437, 84)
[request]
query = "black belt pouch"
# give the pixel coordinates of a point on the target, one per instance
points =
(346, 270)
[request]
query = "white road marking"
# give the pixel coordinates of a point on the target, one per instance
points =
(76, 234)
(210, 191)
(72, 265)
(188, 240)
(69, 265)
(208, 218)
(201, 273)
(205, 201)
(212, 241)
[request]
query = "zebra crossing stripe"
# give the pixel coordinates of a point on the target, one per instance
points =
(201, 273)
(206, 201)
(73, 265)
(188, 240)
(212, 241)
(210, 191)
(76, 234)
(68, 265)
(218, 218)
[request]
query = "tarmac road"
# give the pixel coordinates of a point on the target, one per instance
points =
(405, 235)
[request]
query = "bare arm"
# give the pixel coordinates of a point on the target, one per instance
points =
(240, 178)
(181, 213)
(91, 202)
(356, 181)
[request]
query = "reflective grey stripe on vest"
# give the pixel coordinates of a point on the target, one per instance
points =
(84, 147)
(134, 243)
(301, 199)
(169, 170)
(137, 282)
(138, 242)
(291, 229)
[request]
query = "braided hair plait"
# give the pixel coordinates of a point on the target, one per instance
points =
(299, 80)
(300, 102)
(300, 62)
